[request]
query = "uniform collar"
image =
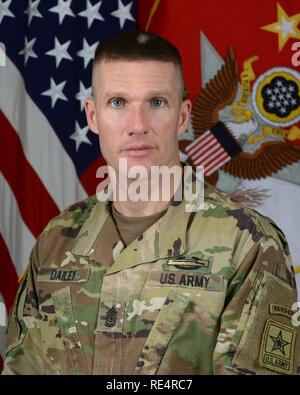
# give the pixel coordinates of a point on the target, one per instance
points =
(93, 225)
(164, 239)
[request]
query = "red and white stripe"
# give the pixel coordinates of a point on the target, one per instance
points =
(207, 151)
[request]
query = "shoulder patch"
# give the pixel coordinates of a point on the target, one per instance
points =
(277, 347)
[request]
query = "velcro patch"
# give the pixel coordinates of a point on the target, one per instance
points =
(49, 274)
(111, 316)
(195, 264)
(281, 310)
(277, 347)
(212, 282)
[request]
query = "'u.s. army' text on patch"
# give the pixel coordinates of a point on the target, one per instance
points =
(277, 347)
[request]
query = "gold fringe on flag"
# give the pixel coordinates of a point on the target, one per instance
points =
(152, 12)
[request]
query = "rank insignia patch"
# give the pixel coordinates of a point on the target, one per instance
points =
(277, 347)
(111, 316)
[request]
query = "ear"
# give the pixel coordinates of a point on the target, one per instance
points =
(90, 111)
(185, 113)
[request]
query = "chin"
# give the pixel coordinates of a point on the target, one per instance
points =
(146, 163)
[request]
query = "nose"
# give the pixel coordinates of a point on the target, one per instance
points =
(138, 123)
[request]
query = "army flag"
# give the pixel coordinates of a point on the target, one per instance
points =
(241, 64)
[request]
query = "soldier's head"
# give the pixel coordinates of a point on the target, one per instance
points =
(137, 106)
(138, 46)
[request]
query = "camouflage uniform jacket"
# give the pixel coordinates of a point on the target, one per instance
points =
(197, 293)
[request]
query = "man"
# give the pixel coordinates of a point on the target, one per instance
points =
(147, 286)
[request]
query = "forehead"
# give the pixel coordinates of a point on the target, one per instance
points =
(118, 74)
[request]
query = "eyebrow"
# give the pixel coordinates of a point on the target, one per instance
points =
(154, 93)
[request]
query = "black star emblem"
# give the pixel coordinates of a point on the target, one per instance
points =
(279, 343)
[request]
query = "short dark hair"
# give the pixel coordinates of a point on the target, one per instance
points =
(138, 45)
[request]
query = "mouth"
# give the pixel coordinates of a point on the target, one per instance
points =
(137, 150)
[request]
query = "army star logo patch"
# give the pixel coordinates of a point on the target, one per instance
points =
(279, 343)
(277, 347)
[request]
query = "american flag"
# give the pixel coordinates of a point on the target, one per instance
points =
(48, 156)
(213, 148)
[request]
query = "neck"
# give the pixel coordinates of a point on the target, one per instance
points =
(140, 209)
(145, 196)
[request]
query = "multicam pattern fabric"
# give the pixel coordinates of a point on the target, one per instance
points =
(194, 294)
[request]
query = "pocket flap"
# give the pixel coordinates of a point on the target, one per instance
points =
(67, 325)
(161, 333)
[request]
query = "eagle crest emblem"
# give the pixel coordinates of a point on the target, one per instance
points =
(252, 141)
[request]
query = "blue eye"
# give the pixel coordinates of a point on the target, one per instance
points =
(117, 103)
(158, 103)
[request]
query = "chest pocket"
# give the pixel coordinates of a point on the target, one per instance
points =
(183, 331)
(68, 329)
(60, 337)
(162, 330)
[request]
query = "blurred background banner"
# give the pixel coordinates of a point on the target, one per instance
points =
(48, 156)
(241, 63)
(241, 71)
